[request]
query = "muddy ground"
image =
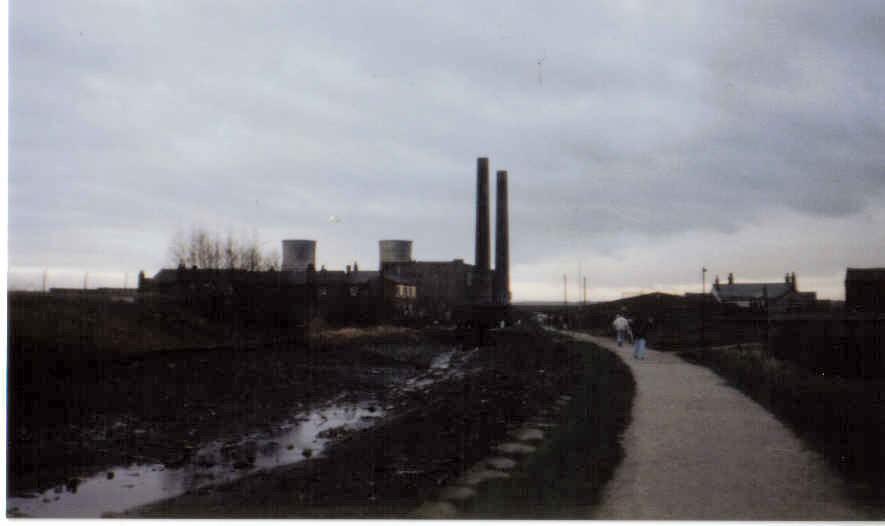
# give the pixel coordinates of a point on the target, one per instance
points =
(70, 418)
(70, 413)
(431, 436)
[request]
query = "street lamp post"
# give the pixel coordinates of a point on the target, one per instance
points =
(703, 301)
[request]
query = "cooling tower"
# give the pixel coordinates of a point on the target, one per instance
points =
(298, 254)
(395, 251)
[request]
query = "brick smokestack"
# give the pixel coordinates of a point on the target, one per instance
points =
(481, 282)
(502, 243)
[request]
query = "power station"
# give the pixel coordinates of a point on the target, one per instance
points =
(401, 289)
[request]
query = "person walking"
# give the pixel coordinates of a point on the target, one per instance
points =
(640, 334)
(621, 326)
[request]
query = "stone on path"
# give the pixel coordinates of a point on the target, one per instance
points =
(528, 434)
(501, 463)
(436, 510)
(478, 476)
(510, 448)
(457, 493)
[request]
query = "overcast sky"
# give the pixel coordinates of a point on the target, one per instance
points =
(653, 138)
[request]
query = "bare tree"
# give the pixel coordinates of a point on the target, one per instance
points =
(215, 252)
(201, 248)
(231, 252)
(250, 254)
(205, 250)
(271, 260)
(179, 249)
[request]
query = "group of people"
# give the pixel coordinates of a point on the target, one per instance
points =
(637, 331)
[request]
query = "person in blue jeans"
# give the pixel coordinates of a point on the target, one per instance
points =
(640, 333)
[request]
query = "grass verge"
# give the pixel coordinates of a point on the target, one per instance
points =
(568, 471)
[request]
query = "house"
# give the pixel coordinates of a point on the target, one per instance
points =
(441, 286)
(769, 297)
(400, 296)
(865, 289)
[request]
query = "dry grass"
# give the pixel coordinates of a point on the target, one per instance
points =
(353, 335)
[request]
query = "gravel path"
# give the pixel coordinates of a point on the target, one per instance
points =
(699, 449)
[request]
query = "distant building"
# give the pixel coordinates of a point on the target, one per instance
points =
(401, 288)
(771, 297)
(441, 286)
(399, 297)
(865, 289)
(351, 295)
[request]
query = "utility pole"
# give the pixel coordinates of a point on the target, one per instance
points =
(45, 272)
(565, 289)
(585, 290)
(125, 280)
(580, 275)
(85, 280)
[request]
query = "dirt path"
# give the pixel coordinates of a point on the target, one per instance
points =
(699, 449)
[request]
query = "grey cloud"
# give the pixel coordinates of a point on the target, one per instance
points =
(653, 121)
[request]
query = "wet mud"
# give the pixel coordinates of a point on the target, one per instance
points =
(365, 430)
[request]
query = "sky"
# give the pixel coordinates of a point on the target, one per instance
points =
(643, 140)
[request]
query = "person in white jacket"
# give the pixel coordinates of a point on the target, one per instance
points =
(622, 327)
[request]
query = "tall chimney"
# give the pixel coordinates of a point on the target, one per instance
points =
(482, 291)
(502, 243)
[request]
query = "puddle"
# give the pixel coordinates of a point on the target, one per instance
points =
(442, 360)
(216, 462)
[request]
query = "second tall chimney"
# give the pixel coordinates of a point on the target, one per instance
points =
(502, 243)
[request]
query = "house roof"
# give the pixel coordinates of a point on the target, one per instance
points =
(340, 276)
(171, 276)
(166, 275)
(865, 274)
(397, 278)
(363, 276)
(750, 291)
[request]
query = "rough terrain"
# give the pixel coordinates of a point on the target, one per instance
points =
(439, 411)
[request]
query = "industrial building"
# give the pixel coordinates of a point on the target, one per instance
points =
(401, 289)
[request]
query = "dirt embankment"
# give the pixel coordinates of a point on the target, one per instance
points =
(430, 436)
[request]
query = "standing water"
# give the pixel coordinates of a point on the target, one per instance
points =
(124, 487)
